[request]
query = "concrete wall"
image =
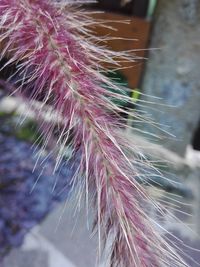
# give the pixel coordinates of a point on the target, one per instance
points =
(173, 71)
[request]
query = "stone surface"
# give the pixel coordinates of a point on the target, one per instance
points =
(172, 73)
(33, 258)
(69, 234)
(62, 240)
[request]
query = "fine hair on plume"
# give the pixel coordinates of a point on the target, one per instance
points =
(59, 65)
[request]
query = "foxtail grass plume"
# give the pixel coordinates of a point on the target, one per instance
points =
(60, 63)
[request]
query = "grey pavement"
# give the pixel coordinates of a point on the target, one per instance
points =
(62, 240)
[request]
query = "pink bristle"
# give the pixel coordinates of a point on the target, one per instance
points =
(62, 65)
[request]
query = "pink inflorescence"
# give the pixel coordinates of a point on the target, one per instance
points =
(57, 63)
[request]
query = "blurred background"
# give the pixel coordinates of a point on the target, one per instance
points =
(38, 225)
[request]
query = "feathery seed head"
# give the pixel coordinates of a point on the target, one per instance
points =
(60, 66)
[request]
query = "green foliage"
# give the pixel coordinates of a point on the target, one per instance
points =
(28, 131)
